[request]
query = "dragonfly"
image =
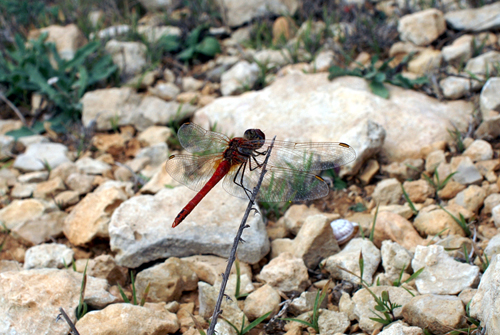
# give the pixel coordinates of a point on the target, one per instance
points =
(238, 162)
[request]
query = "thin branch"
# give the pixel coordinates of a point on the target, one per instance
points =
(68, 321)
(232, 255)
(14, 108)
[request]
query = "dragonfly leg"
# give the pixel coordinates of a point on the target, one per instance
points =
(240, 183)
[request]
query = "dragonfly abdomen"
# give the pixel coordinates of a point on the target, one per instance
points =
(219, 173)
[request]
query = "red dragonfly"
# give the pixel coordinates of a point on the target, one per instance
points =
(239, 161)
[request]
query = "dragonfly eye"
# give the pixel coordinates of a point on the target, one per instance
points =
(254, 134)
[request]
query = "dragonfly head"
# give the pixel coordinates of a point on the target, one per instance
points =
(255, 135)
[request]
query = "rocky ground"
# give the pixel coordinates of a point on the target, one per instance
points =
(409, 236)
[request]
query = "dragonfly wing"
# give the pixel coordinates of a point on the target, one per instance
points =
(278, 185)
(194, 138)
(312, 156)
(193, 171)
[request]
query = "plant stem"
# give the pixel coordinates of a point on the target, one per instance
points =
(14, 108)
(237, 239)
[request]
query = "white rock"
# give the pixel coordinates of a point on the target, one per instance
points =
(167, 280)
(365, 304)
(493, 247)
(122, 106)
(166, 91)
(457, 87)
(466, 172)
(348, 259)
(67, 39)
(137, 244)
(309, 107)
(479, 150)
(388, 191)
(273, 58)
(484, 305)
(486, 17)
(130, 57)
(155, 5)
(92, 166)
(111, 32)
(286, 273)
(28, 299)
(34, 220)
(495, 213)
(230, 310)
(436, 313)
(489, 100)
(323, 60)
(394, 257)
(422, 28)
(90, 217)
(265, 299)
(51, 255)
(123, 318)
(238, 12)
(240, 76)
(33, 177)
(460, 50)
(399, 329)
(331, 322)
(6, 145)
(36, 155)
(442, 274)
(153, 33)
(157, 153)
(483, 64)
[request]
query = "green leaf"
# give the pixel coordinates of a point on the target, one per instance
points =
(336, 71)
(255, 323)
(379, 89)
(81, 54)
(168, 43)
(385, 296)
(380, 77)
(208, 47)
(124, 296)
(186, 54)
(194, 37)
(308, 324)
(25, 131)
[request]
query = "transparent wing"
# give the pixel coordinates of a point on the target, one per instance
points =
(194, 138)
(193, 171)
(305, 156)
(278, 185)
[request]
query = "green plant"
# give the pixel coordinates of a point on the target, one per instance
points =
(237, 293)
(372, 230)
(261, 36)
(376, 76)
(28, 69)
(408, 200)
(358, 207)
(398, 281)
(134, 293)
(315, 313)
(456, 135)
(383, 304)
(460, 221)
(243, 330)
(81, 310)
(438, 185)
(196, 44)
(25, 12)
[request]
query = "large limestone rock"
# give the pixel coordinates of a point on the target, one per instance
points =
(141, 228)
(304, 108)
(238, 12)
